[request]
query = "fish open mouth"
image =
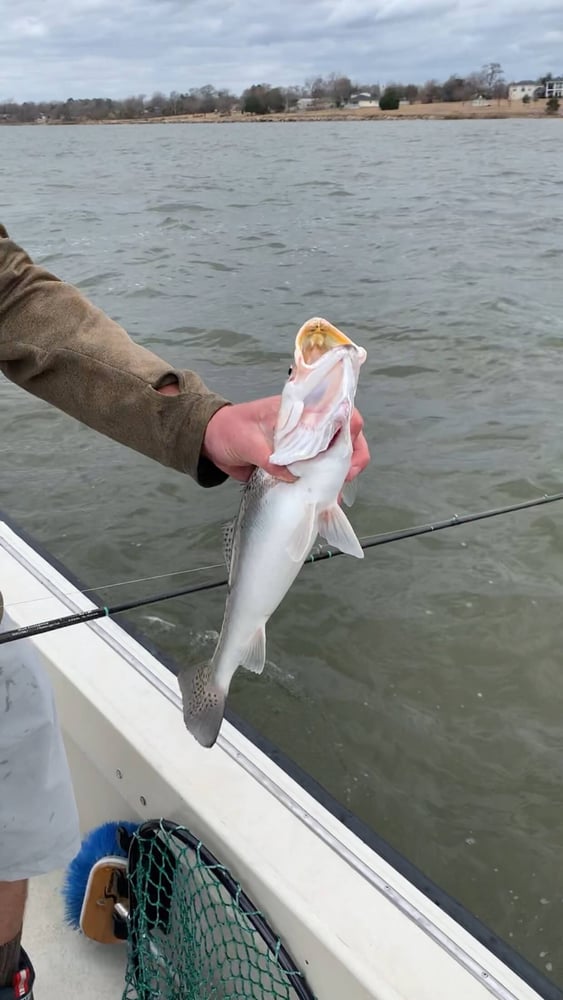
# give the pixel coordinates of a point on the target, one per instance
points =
(318, 398)
(316, 337)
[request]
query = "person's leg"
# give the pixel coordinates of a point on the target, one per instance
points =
(12, 905)
(39, 829)
(16, 971)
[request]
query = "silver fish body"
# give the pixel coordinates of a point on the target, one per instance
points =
(265, 548)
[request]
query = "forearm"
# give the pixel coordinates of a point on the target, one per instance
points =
(55, 344)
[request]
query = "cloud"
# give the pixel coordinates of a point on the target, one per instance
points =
(27, 27)
(53, 49)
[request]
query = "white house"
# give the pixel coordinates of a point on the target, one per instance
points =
(363, 100)
(524, 88)
(304, 103)
(554, 88)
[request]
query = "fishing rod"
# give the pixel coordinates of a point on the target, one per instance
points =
(27, 631)
(450, 522)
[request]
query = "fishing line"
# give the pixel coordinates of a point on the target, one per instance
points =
(106, 612)
(367, 543)
(120, 583)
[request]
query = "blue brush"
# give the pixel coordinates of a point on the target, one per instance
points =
(99, 843)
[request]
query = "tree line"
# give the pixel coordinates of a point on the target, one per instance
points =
(330, 91)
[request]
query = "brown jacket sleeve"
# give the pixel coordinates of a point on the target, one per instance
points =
(55, 344)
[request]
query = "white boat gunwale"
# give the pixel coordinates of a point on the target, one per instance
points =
(516, 963)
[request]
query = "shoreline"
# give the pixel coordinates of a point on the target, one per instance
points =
(415, 112)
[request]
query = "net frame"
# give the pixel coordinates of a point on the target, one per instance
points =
(151, 910)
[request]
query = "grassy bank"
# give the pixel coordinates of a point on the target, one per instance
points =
(421, 112)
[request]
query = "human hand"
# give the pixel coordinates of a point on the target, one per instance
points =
(360, 454)
(240, 437)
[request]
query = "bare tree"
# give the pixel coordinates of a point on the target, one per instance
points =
(493, 75)
(340, 89)
(431, 92)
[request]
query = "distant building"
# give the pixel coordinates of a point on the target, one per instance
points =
(304, 103)
(363, 100)
(554, 88)
(524, 88)
(480, 102)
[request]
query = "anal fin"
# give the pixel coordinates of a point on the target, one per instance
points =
(253, 656)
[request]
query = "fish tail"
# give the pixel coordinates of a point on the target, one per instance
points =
(203, 700)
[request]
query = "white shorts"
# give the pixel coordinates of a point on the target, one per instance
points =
(39, 829)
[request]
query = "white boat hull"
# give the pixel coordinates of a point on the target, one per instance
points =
(358, 928)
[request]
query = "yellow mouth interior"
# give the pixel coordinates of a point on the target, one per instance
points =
(318, 336)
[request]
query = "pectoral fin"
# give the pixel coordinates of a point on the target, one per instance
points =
(336, 528)
(350, 492)
(300, 543)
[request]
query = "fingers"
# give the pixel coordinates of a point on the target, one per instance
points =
(280, 472)
(242, 473)
(360, 457)
(356, 424)
(258, 451)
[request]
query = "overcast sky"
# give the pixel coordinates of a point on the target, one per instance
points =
(53, 49)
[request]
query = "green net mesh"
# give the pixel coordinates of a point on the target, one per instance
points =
(194, 934)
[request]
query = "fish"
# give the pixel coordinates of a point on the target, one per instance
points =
(278, 522)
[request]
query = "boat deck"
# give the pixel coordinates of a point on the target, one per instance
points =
(67, 963)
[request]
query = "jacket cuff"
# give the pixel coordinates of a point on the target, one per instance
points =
(191, 432)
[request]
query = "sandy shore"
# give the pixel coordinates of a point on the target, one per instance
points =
(422, 112)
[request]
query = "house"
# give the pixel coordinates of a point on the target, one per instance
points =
(363, 100)
(304, 103)
(524, 88)
(480, 102)
(554, 88)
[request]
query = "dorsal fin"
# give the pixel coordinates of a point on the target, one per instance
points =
(228, 541)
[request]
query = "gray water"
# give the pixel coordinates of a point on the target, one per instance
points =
(424, 686)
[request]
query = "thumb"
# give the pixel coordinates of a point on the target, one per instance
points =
(280, 472)
(262, 459)
(260, 456)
